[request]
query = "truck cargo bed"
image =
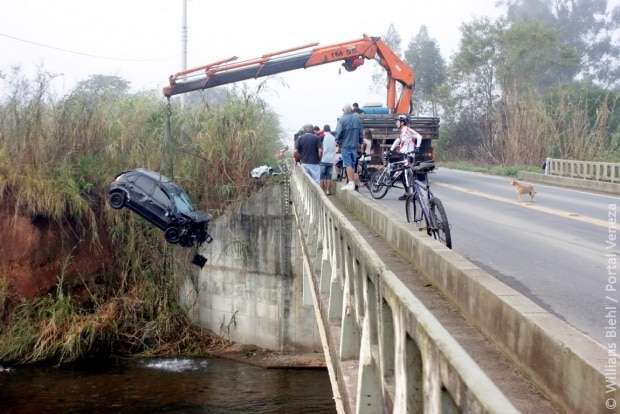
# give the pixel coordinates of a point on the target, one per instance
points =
(381, 130)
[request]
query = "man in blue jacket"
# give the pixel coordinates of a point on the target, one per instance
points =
(349, 137)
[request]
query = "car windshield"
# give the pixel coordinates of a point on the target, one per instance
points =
(182, 202)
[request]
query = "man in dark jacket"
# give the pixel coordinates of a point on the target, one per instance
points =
(349, 137)
(309, 149)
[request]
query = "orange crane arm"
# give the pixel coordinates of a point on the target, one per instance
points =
(352, 53)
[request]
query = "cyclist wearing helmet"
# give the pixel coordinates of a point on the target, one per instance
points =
(409, 141)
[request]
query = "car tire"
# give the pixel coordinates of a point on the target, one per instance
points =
(117, 199)
(172, 235)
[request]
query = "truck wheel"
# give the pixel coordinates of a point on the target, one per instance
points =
(172, 235)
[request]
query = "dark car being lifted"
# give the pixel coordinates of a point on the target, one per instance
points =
(163, 203)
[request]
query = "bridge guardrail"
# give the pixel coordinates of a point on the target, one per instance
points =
(566, 364)
(587, 170)
(406, 359)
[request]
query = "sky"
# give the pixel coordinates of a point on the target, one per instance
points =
(143, 40)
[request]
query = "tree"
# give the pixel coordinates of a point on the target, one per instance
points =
(103, 86)
(424, 56)
(531, 55)
(473, 87)
(392, 39)
(587, 26)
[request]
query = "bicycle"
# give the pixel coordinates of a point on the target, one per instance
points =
(363, 171)
(384, 179)
(421, 204)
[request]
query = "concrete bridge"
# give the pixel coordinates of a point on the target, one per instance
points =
(406, 325)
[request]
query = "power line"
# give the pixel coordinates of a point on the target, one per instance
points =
(80, 53)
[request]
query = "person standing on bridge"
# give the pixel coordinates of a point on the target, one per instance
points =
(349, 137)
(328, 158)
(309, 150)
(409, 141)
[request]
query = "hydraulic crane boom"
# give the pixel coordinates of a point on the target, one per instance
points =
(352, 53)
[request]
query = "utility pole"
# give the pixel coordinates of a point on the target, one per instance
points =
(184, 42)
(184, 37)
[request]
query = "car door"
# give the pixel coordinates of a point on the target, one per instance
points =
(159, 205)
(141, 192)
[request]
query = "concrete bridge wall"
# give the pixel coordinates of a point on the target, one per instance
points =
(251, 290)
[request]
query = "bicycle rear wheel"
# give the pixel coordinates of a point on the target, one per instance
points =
(441, 229)
(378, 184)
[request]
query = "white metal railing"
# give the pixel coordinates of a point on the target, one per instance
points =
(404, 358)
(588, 170)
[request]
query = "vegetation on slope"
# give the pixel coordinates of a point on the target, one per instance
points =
(57, 157)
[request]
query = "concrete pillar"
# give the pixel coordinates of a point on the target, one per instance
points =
(349, 334)
(371, 308)
(326, 257)
(320, 243)
(335, 246)
(413, 367)
(358, 287)
(400, 373)
(387, 345)
(369, 393)
(307, 285)
(430, 380)
(335, 291)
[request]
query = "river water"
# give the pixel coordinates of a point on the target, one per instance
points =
(178, 385)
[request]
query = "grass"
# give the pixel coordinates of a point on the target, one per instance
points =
(4, 298)
(57, 157)
(503, 170)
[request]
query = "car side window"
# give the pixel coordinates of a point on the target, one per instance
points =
(145, 184)
(161, 198)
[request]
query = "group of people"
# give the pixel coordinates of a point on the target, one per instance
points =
(317, 149)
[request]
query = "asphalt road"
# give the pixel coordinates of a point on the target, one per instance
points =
(553, 250)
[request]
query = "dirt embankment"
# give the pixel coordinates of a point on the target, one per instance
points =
(35, 252)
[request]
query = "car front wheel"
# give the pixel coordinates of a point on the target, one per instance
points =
(172, 235)
(117, 199)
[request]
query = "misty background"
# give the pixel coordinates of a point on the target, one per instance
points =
(495, 71)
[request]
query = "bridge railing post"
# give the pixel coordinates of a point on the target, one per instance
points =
(325, 270)
(335, 291)
(358, 286)
(369, 391)
(350, 333)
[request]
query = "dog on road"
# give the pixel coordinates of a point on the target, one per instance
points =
(523, 188)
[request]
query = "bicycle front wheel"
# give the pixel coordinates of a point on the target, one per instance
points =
(441, 228)
(413, 211)
(378, 186)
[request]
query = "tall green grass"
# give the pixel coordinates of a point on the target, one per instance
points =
(57, 157)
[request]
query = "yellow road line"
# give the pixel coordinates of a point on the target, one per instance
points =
(530, 205)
